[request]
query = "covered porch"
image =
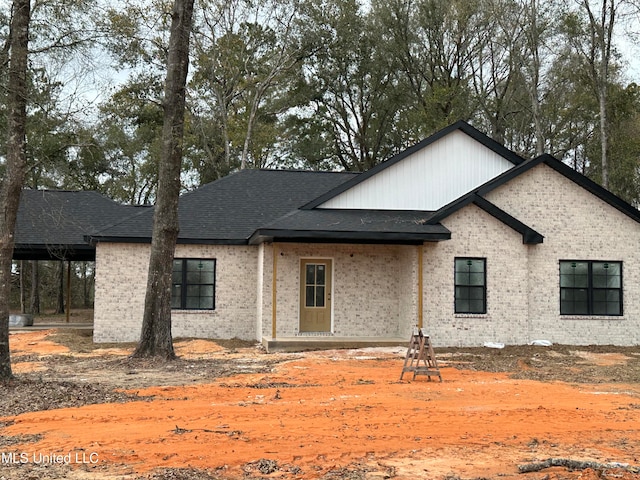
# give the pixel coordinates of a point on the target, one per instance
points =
(368, 295)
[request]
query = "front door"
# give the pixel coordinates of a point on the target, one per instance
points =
(315, 295)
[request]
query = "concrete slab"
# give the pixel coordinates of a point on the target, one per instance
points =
(306, 343)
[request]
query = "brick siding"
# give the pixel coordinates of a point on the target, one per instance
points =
(375, 286)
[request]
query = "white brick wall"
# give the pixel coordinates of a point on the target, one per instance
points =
(576, 225)
(523, 288)
(121, 276)
(477, 234)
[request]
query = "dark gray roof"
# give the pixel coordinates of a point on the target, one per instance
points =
(51, 224)
(337, 225)
(229, 210)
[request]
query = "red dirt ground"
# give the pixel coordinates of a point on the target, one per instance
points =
(321, 412)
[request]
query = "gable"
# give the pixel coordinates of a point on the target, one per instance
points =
(564, 210)
(427, 178)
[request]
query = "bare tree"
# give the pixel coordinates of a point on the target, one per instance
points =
(15, 164)
(155, 338)
(247, 54)
(596, 47)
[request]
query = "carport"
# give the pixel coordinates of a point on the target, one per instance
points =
(52, 224)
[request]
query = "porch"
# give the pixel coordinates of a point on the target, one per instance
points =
(305, 343)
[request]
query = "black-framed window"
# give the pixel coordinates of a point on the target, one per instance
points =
(471, 285)
(193, 284)
(590, 287)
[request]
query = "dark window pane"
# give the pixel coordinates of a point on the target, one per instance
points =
(206, 291)
(193, 302)
(462, 305)
(477, 266)
(580, 268)
(614, 308)
(476, 279)
(476, 306)
(206, 303)
(476, 293)
(176, 296)
(461, 264)
(320, 275)
(310, 290)
(311, 275)
(567, 307)
(207, 277)
(319, 296)
(566, 281)
(613, 295)
(193, 277)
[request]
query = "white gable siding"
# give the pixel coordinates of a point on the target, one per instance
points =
(428, 179)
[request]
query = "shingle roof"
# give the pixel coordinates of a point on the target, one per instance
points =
(53, 223)
(229, 210)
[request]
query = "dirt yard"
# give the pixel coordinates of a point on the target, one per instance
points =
(227, 410)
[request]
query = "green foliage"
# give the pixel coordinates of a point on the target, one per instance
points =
(316, 84)
(354, 95)
(129, 137)
(247, 58)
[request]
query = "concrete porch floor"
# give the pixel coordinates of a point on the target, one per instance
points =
(48, 326)
(306, 343)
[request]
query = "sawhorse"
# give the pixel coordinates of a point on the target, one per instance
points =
(420, 358)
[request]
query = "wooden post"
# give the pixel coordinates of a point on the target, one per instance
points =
(273, 290)
(68, 290)
(420, 285)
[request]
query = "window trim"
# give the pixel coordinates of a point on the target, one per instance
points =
(456, 285)
(184, 284)
(590, 289)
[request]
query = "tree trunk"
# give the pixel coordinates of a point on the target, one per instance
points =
(60, 296)
(604, 138)
(34, 306)
(15, 165)
(155, 338)
(85, 286)
(601, 31)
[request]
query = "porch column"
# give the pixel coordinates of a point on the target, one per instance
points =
(274, 275)
(420, 284)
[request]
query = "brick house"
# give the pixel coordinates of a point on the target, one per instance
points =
(457, 234)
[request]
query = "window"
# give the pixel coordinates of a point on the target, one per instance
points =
(470, 285)
(590, 288)
(193, 284)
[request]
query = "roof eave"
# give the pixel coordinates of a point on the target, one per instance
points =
(93, 240)
(75, 253)
(323, 236)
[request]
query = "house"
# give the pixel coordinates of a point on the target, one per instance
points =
(457, 235)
